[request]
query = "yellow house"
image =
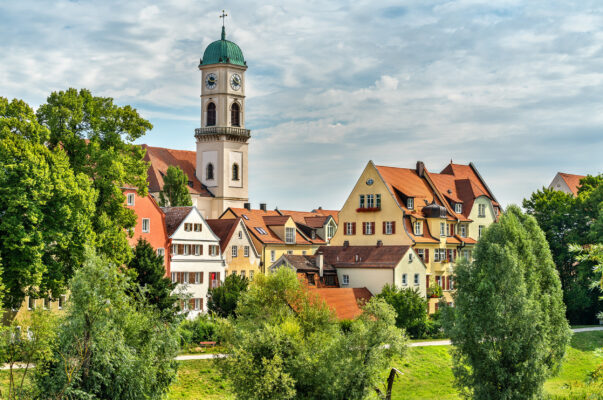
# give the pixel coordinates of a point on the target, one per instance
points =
(440, 215)
(274, 234)
(236, 244)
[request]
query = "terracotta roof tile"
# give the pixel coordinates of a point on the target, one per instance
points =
(306, 263)
(572, 181)
(224, 229)
(343, 301)
(174, 217)
(363, 256)
(256, 224)
(161, 158)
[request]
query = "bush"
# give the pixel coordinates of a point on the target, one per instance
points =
(200, 329)
(410, 306)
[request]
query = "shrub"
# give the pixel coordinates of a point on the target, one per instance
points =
(200, 329)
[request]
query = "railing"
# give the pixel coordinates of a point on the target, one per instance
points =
(223, 130)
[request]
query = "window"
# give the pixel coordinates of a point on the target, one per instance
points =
(370, 201)
(62, 299)
(416, 281)
(310, 278)
(421, 254)
(368, 228)
(46, 303)
(243, 274)
(410, 257)
(235, 251)
(240, 234)
(250, 275)
(272, 255)
(261, 231)
(174, 277)
(304, 252)
(211, 114)
(30, 334)
(31, 303)
(290, 252)
(418, 228)
(361, 203)
(146, 225)
(410, 203)
(448, 230)
(235, 114)
(442, 229)
(388, 227)
(378, 197)
(481, 208)
(213, 250)
(349, 228)
(198, 249)
(346, 279)
(188, 227)
(209, 172)
(330, 231)
(439, 255)
(198, 227)
(197, 277)
(235, 172)
(197, 304)
(187, 249)
(480, 232)
(185, 277)
(330, 280)
(463, 230)
(404, 279)
(289, 235)
(131, 199)
(161, 252)
(458, 208)
(451, 283)
(246, 251)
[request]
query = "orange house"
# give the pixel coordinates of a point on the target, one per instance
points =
(150, 224)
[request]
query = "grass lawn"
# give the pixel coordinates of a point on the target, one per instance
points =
(427, 374)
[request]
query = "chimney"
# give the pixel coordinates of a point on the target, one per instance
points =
(420, 168)
(247, 206)
(379, 243)
(346, 244)
(263, 206)
(320, 262)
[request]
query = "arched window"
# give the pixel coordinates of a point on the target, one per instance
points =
(235, 114)
(211, 114)
(209, 172)
(235, 172)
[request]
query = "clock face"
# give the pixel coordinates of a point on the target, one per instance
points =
(211, 80)
(235, 81)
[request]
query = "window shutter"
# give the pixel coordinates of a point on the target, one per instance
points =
(393, 227)
(454, 254)
(384, 227)
(191, 304)
(353, 228)
(448, 282)
(364, 228)
(191, 277)
(201, 300)
(200, 249)
(426, 255)
(201, 277)
(427, 281)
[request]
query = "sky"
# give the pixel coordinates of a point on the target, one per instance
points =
(516, 87)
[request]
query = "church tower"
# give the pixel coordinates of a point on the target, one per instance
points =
(222, 139)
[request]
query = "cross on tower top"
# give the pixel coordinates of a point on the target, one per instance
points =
(223, 16)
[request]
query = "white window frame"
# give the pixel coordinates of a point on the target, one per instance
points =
(369, 228)
(62, 300)
(197, 304)
(186, 250)
(480, 231)
(197, 225)
(421, 253)
(463, 229)
(240, 234)
(418, 228)
(148, 225)
(442, 229)
(410, 203)
(272, 255)
(31, 303)
(361, 201)
(197, 278)
(416, 280)
(185, 277)
(349, 228)
(458, 208)
(131, 198)
(481, 210)
(234, 251)
(346, 279)
(289, 235)
(161, 251)
(246, 251)
(370, 201)
(330, 231)
(404, 280)
(243, 273)
(251, 275)
(174, 277)
(389, 225)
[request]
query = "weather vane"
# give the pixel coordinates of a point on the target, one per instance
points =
(223, 16)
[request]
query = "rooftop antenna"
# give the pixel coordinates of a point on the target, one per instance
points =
(223, 16)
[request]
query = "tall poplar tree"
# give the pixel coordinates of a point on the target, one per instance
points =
(508, 326)
(175, 189)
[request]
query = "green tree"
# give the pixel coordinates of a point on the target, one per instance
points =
(175, 189)
(508, 327)
(148, 277)
(223, 299)
(286, 343)
(98, 138)
(108, 346)
(46, 209)
(410, 306)
(566, 220)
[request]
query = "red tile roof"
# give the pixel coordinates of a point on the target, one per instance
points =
(224, 229)
(160, 159)
(343, 301)
(363, 256)
(572, 181)
(174, 217)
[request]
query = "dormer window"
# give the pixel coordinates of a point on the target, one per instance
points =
(410, 203)
(442, 229)
(289, 235)
(418, 228)
(442, 212)
(458, 208)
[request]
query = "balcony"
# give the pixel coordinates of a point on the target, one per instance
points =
(223, 130)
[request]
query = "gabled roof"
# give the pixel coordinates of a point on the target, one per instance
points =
(572, 181)
(224, 229)
(174, 217)
(377, 257)
(305, 263)
(343, 301)
(461, 171)
(161, 158)
(313, 219)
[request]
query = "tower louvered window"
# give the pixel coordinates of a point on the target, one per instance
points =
(211, 114)
(235, 115)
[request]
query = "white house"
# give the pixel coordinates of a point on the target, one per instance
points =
(196, 260)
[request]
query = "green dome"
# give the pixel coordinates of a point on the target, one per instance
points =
(223, 52)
